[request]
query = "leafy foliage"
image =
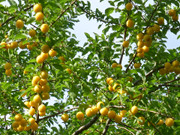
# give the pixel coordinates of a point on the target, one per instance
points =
(77, 74)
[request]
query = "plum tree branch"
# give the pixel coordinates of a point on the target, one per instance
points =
(55, 114)
(106, 127)
(86, 126)
(63, 12)
(92, 14)
(124, 129)
(12, 17)
(131, 62)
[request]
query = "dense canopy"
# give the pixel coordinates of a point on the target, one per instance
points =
(121, 81)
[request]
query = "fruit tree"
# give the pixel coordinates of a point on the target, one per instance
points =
(122, 81)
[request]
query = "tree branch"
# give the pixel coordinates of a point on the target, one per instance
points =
(10, 18)
(62, 13)
(131, 62)
(124, 129)
(89, 124)
(55, 114)
(106, 127)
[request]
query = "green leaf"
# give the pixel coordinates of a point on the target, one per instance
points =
(20, 36)
(109, 11)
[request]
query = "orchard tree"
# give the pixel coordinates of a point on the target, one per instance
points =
(52, 84)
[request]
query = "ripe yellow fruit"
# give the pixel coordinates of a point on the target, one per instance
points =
(62, 58)
(14, 44)
(161, 20)
(125, 44)
(37, 7)
(130, 23)
(109, 81)
(99, 104)
(23, 122)
(34, 126)
(175, 63)
(18, 117)
(69, 70)
(147, 38)
(167, 65)
(119, 65)
(156, 28)
(20, 128)
(145, 49)
(42, 113)
(4, 44)
(89, 112)
(169, 122)
(44, 56)
(35, 80)
(65, 117)
(134, 110)
(142, 121)
(104, 111)
(39, 59)
(31, 111)
(139, 50)
(117, 118)
(44, 28)
(45, 96)
(39, 16)
(44, 74)
(123, 113)
(139, 36)
(177, 70)
(27, 128)
(140, 44)
(7, 66)
(116, 86)
(21, 45)
(128, 6)
(26, 103)
(43, 82)
(37, 98)
(15, 124)
(52, 53)
(172, 12)
(175, 17)
(34, 104)
(114, 65)
(150, 31)
(45, 88)
(32, 33)
(160, 122)
(162, 71)
(42, 108)
(94, 110)
(80, 115)
(37, 89)
(110, 88)
(19, 24)
(137, 65)
(122, 92)
(45, 48)
(8, 72)
(111, 114)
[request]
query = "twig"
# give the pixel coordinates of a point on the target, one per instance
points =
(55, 114)
(10, 18)
(62, 13)
(106, 127)
(94, 16)
(86, 126)
(125, 129)
(159, 113)
(131, 62)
